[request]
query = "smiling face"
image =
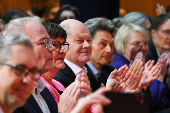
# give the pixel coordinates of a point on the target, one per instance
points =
(161, 37)
(80, 44)
(102, 46)
(135, 44)
(15, 90)
(37, 33)
(58, 56)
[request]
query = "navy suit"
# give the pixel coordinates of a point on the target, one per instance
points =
(31, 106)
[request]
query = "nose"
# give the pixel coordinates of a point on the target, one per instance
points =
(28, 79)
(108, 48)
(51, 48)
(63, 49)
(86, 44)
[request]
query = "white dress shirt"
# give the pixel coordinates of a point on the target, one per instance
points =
(76, 69)
(39, 86)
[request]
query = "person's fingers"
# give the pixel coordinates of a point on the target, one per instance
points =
(127, 76)
(151, 65)
(85, 80)
(133, 65)
(69, 88)
(87, 92)
(77, 94)
(74, 89)
(115, 89)
(84, 75)
(112, 74)
(86, 87)
(78, 78)
(120, 70)
(128, 81)
(156, 70)
(147, 63)
(124, 73)
(102, 85)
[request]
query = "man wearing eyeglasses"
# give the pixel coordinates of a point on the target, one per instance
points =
(41, 100)
(17, 71)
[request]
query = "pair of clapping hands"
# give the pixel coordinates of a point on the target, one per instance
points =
(139, 75)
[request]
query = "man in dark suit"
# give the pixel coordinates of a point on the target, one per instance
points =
(101, 30)
(41, 99)
(78, 54)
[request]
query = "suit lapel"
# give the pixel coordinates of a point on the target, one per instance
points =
(35, 104)
(51, 103)
(93, 82)
(69, 73)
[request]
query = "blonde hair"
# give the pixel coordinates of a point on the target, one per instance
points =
(123, 36)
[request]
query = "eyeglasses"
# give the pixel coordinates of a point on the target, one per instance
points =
(138, 44)
(58, 46)
(23, 71)
(166, 32)
(45, 42)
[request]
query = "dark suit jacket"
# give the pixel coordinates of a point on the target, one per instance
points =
(106, 70)
(152, 53)
(65, 76)
(31, 106)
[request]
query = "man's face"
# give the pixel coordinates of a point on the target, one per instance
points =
(161, 37)
(38, 34)
(80, 45)
(58, 56)
(102, 46)
(14, 89)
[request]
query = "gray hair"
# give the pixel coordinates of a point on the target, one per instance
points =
(137, 18)
(17, 26)
(97, 24)
(124, 34)
(7, 40)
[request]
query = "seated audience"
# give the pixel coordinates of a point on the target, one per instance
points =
(17, 71)
(50, 12)
(41, 100)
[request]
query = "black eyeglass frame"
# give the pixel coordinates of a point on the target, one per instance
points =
(28, 70)
(60, 45)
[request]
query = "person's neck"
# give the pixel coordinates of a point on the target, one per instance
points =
(48, 76)
(160, 50)
(97, 66)
(6, 109)
(78, 63)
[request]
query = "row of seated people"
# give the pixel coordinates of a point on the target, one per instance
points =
(77, 54)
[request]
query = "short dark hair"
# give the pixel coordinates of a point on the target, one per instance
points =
(54, 30)
(13, 14)
(70, 8)
(159, 20)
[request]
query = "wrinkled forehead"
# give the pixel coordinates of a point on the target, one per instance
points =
(36, 31)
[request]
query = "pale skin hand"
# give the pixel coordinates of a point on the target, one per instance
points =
(84, 104)
(85, 84)
(69, 97)
(149, 74)
(160, 9)
(164, 63)
(136, 73)
(119, 80)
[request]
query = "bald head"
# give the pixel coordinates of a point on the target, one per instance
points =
(78, 36)
(70, 24)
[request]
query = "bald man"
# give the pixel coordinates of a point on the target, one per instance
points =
(79, 52)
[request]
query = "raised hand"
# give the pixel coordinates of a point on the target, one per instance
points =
(85, 103)
(70, 96)
(119, 80)
(149, 74)
(160, 9)
(136, 73)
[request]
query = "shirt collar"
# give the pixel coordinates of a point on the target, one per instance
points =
(76, 69)
(92, 68)
(158, 52)
(39, 86)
